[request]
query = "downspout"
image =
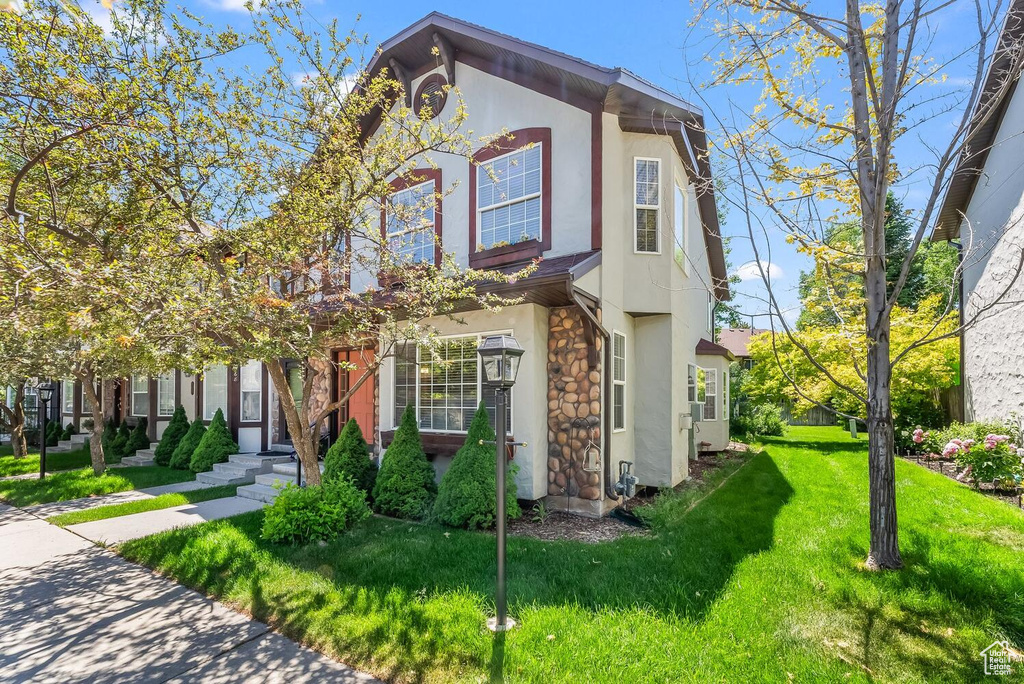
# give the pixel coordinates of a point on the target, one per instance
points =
(960, 308)
(606, 429)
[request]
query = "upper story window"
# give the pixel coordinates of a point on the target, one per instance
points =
(681, 246)
(647, 204)
(411, 219)
(509, 198)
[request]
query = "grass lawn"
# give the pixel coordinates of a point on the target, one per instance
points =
(156, 503)
(77, 484)
(67, 460)
(760, 581)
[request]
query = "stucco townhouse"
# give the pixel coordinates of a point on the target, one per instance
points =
(604, 178)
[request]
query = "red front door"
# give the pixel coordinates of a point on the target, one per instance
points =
(360, 405)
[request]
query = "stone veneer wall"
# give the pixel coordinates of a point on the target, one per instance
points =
(321, 387)
(574, 406)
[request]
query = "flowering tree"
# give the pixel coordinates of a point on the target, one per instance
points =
(842, 88)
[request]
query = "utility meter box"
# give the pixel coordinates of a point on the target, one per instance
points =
(685, 422)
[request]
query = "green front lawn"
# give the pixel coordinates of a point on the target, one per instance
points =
(761, 581)
(77, 484)
(154, 504)
(67, 460)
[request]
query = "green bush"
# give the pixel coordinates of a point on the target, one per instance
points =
(109, 433)
(757, 420)
(300, 515)
(176, 429)
(138, 439)
(119, 443)
(215, 446)
(69, 430)
(349, 458)
(182, 456)
(405, 485)
(53, 432)
(466, 496)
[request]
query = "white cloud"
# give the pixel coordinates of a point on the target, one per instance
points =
(750, 271)
(234, 5)
(345, 84)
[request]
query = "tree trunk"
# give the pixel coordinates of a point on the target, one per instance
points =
(19, 445)
(99, 463)
(306, 443)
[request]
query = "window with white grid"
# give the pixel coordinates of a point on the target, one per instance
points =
(215, 392)
(618, 381)
(711, 394)
(410, 223)
(509, 199)
(691, 383)
(250, 388)
(165, 395)
(647, 204)
(67, 396)
(140, 396)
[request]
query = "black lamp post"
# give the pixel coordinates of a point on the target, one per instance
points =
(500, 356)
(45, 394)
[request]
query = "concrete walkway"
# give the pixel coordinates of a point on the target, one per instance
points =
(125, 527)
(48, 510)
(72, 612)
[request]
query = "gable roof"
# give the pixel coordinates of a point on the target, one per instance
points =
(640, 105)
(737, 339)
(982, 135)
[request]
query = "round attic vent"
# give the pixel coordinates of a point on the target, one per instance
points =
(431, 95)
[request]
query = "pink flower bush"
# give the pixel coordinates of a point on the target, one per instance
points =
(919, 436)
(952, 447)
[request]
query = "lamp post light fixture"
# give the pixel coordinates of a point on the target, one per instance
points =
(45, 394)
(500, 356)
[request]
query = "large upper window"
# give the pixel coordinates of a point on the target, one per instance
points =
(140, 396)
(618, 381)
(67, 396)
(647, 204)
(443, 384)
(250, 380)
(215, 391)
(411, 218)
(680, 248)
(509, 199)
(165, 395)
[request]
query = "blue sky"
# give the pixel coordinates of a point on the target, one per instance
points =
(653, 39)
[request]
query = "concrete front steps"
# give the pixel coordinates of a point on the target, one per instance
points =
(74, 444)
(241, 469)
(267, 485)
(142, 457)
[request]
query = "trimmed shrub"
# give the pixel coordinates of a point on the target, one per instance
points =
(349, 458)
(467, 495)
(138, 439)
(69, 430)
(300, 515)
(405, 485)
(182, 456)
(119, 443)
(757, 421)
(173, 434)
(215, 446)
(109, 432)
(53, 433)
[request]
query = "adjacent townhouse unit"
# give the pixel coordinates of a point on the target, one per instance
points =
(737, 340)
(983, 214)
(604, 178)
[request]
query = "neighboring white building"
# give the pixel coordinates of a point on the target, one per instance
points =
(983, 211)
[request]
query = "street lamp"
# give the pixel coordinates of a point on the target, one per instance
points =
(45, 391)
(500, 356)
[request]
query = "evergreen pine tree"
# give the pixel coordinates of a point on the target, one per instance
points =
(173, 434)
(138, 439)
(466, 496)
(349, 457)
(405, 485)
(182, 456)
(69, 430)
(215, 446)
(52, 434)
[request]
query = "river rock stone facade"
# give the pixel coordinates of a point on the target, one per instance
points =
(574, 406)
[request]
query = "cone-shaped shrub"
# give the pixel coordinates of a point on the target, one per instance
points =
(120, 443)
(405, 485)
(53, 432)
(109, 433)
(215, 446)
(182, 456)
(173, 434)
(466, 496)
(139, 438)
(349, 458)
(69, 430)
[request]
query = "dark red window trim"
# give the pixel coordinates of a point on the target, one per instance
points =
(408, 180)
(522, 251)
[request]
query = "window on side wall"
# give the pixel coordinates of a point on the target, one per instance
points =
(711, 312)
(691, 383)
(508, 198)
(250, 387)
(411, 220)
(140, 396)
(165, 395)
(444, 385)
(681, 246)
(618, 381)
(711, 394)
(215, 392)
(726, 409)
(646, 205)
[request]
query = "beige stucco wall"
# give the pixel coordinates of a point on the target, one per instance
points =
(993, 239)
(716, 432)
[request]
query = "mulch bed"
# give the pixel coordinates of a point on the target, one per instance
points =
(558, 526)
(948, 467)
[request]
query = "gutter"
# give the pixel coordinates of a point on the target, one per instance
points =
(606, 423)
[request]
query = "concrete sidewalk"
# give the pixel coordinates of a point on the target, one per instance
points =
(47, 510)
(73, 612)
